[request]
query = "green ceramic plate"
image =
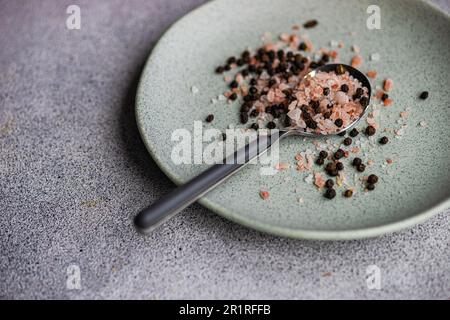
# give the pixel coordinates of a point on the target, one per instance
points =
(413, 45)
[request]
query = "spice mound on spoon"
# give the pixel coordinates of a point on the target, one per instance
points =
(329, 100)
(326, 101)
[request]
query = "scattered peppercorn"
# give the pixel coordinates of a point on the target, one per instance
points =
(210, 118)
(384, 96)
(320, 161)
(348, 141)
(302, 46)
(348, 193)
(384, 140)
(353, 133)
(356, 162)
(339, 154)
(271, 125)
(224, 136)
(341, 134)
(424, 95)
(233, 96)
(244, 118)
(253, 90)
(220, 69)
(339, 166)
(231, 60)
(323, 154)
(329, 183)
(234, 84)
(254, 126)
(344, 88)
(372, 179)
(370, 186)
(361, 167)
(227, 67)
(370, 131)
(253, 82)
(310, 24)
(254, 113)
(326, 91)
(330, 193)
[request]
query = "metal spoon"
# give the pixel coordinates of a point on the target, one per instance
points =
(184, 195)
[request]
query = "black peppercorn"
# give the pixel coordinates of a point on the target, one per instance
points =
(330, 193)
(310, 24)
(234, 84)
(210, 118)
(326, 91)
(329, 183)
(361, 167)
(356, 162)
(254, 126)
(220, 69)
(302, 46)
(370, 131)
(323, 154)
(364, 101)
(271, 125)
(338, 122)
(224, 136)
(310, 123)
(339, 154)
(341, 134)
(384, 140)
(253, 90)
(344, 88)
(244, 118)
(353, 133)
(320, 161)
(372, 179)
(370, 186)
(348, 141)
(424, 95)
(339, 166)
(233, 96)
(287, 121)
(331, 166)
(384, 96)
(231, 60)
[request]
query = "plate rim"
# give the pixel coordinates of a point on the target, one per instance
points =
(348, 234)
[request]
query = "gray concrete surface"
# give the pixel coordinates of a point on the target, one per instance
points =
(73, 172)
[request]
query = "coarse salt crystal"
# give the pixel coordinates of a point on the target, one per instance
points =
(194, 90)
(375, 57)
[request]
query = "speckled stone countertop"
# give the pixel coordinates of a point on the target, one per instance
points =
(73, 173)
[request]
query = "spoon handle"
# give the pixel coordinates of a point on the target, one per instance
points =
(186, 194)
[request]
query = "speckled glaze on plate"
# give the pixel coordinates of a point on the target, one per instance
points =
(414, 49)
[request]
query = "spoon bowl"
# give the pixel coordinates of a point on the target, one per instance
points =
(355, 73)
